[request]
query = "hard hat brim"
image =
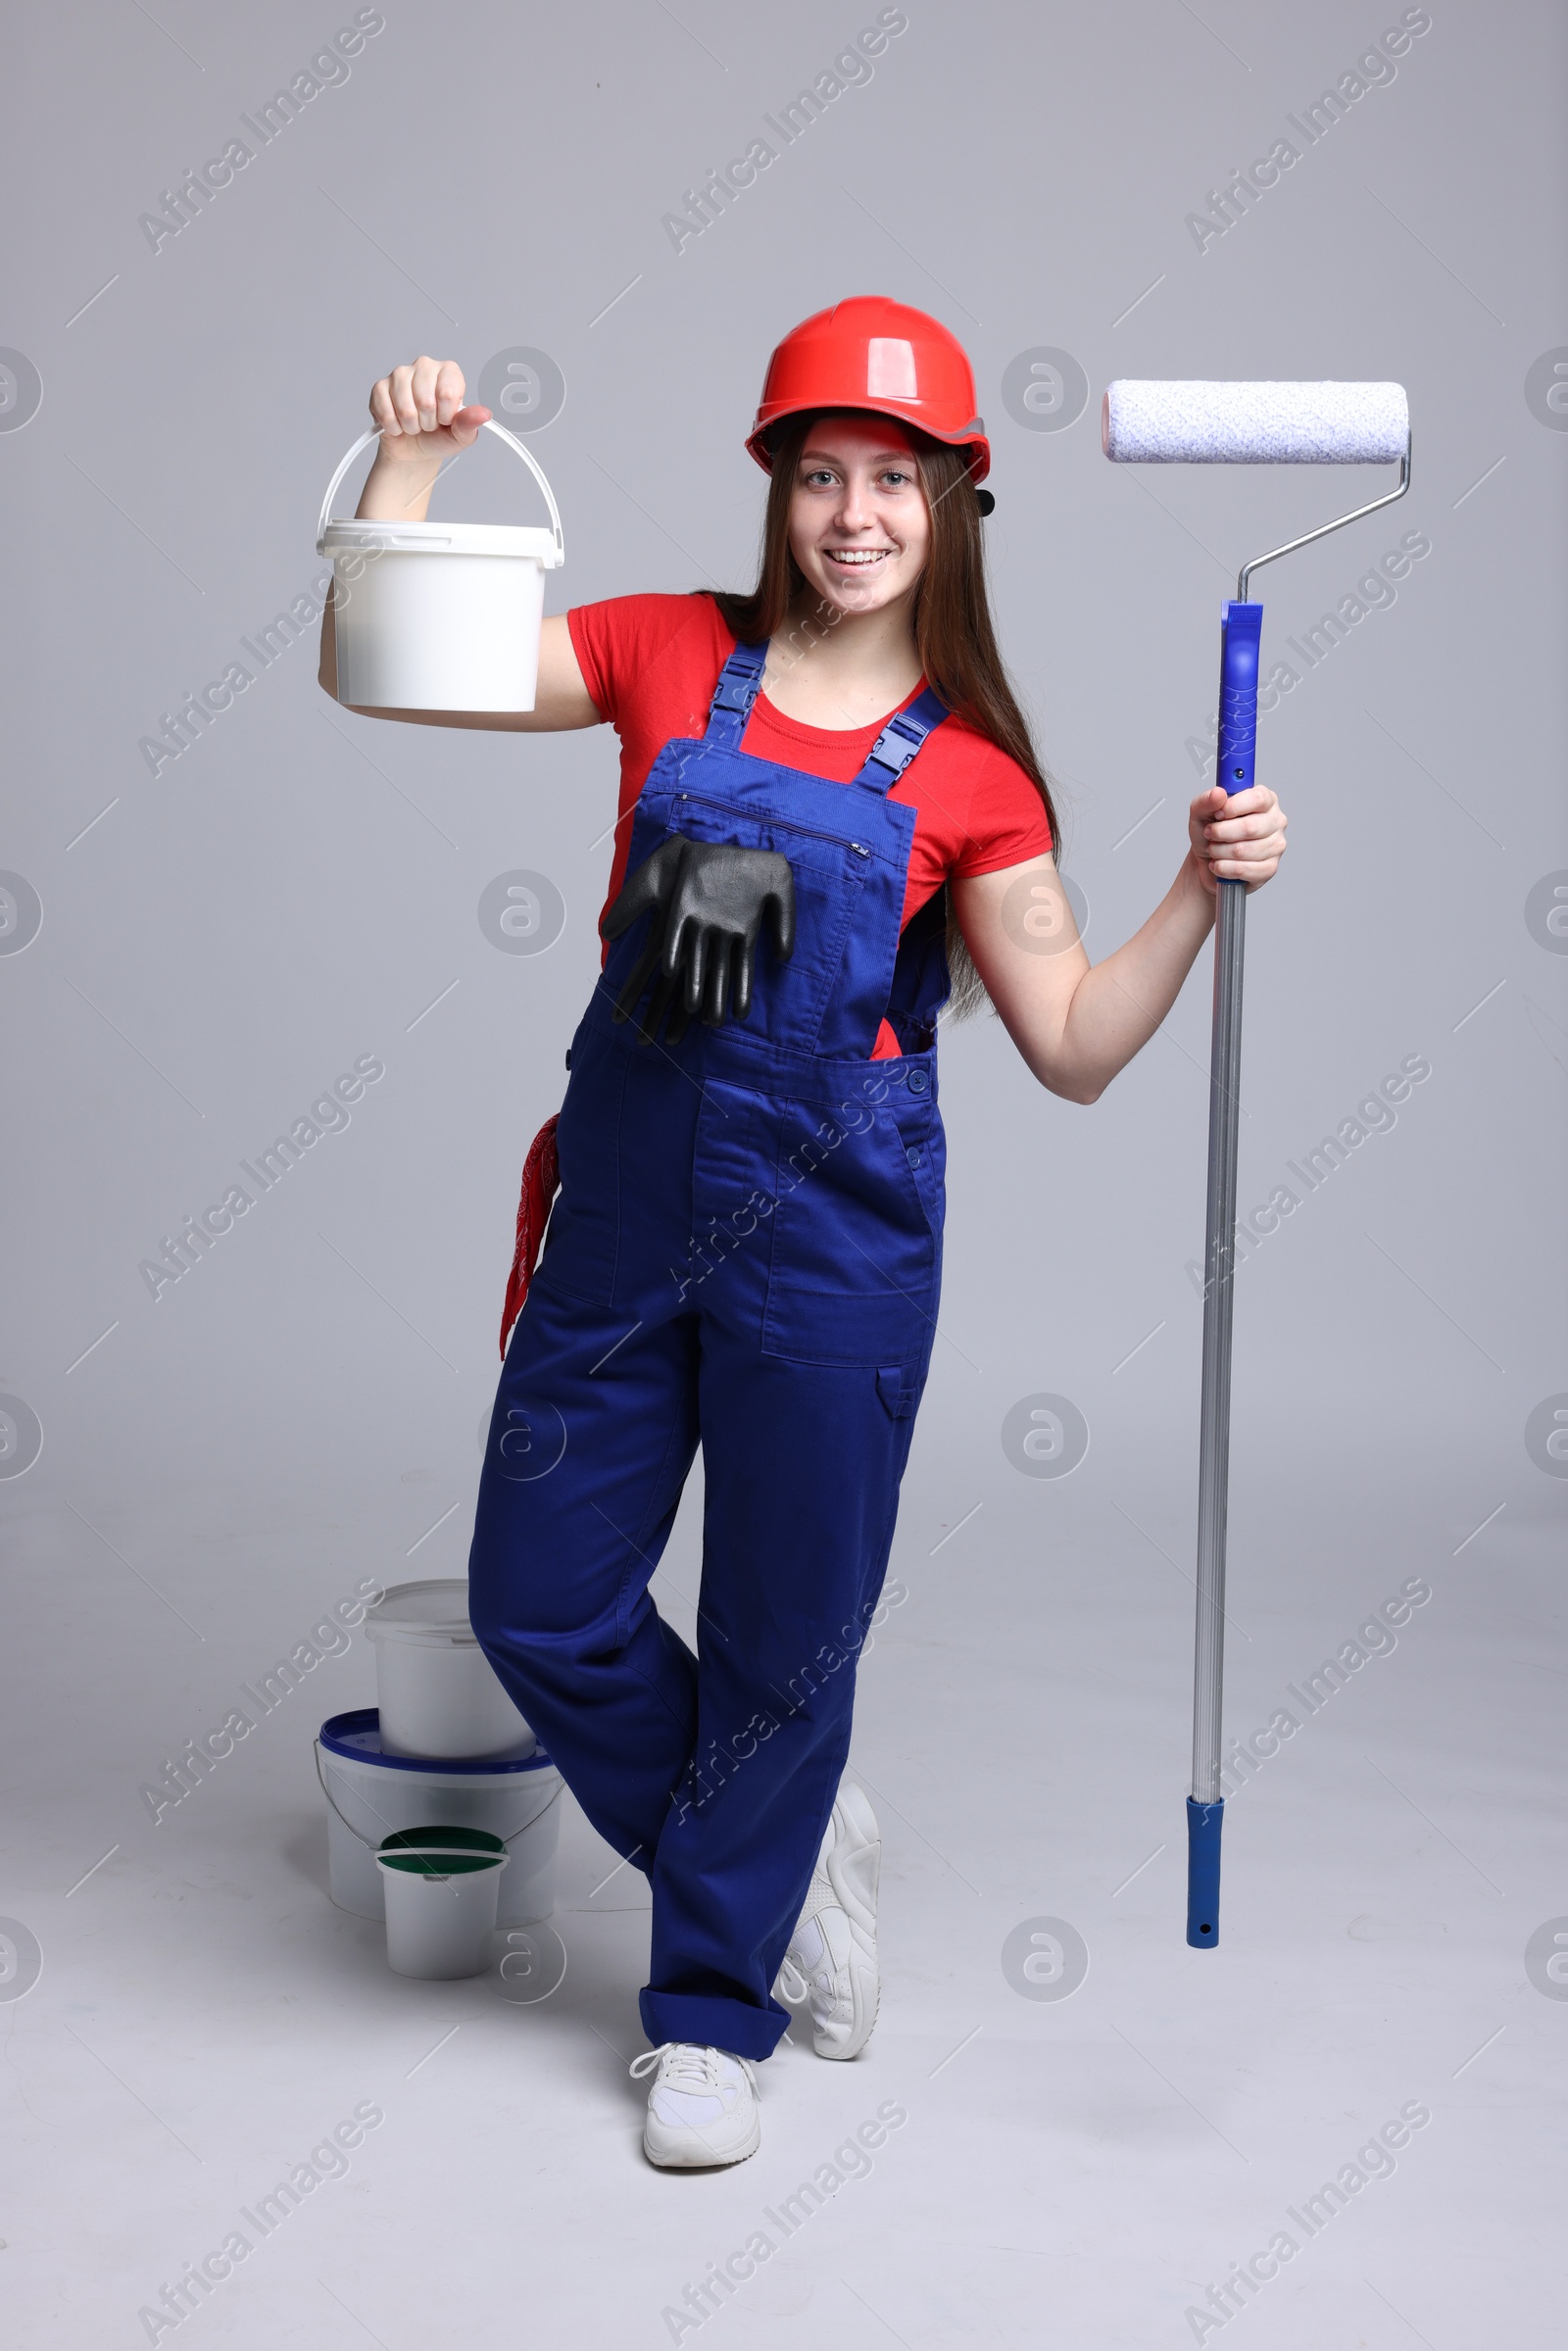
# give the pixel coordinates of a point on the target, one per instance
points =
(971, 439)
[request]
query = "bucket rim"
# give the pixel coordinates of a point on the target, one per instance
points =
(339, 1730)
(446, 1597)
(529, 541)
(422, 1637)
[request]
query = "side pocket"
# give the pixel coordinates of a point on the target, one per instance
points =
(583, 1237)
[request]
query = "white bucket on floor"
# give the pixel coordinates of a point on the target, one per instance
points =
(437, 1691)
(369, 1793)
(441, 1887)
(439, 615)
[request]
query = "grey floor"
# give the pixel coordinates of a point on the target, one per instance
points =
(1082, 2167)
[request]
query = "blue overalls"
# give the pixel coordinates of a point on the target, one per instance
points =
(746, 1254)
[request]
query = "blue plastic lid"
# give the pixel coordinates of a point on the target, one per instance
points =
(358, 1735)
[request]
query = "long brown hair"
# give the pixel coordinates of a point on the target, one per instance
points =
(953, 634)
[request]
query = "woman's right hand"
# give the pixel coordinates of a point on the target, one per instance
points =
(424, 424)
(420, 408)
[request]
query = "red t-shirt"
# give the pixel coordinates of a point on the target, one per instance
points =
(650, 664)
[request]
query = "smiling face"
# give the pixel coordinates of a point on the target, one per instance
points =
(860, 527)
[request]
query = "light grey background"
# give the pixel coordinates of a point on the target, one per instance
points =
(302, 887)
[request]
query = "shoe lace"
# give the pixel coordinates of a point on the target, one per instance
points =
(683, 2064)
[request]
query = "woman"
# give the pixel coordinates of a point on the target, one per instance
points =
(824, 785)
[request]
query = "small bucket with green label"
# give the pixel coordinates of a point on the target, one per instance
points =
(441, 1887)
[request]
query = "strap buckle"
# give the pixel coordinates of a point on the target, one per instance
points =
(739, 683)
(911, 731)
(899, 739)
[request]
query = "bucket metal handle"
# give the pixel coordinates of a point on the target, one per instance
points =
(490, 426)
(441, 1853)
(509, 1841)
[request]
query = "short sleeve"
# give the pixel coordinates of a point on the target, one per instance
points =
(592, 641)
(642, 651)
(1007, 822)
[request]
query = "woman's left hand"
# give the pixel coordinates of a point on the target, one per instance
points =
(1240, 840)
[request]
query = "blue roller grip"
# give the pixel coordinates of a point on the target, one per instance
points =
(1204, 1824)
(1239, 633)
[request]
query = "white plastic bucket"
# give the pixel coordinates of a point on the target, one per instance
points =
(439, 615)
(441, 1887)
(437, 1691)
(370, 1793)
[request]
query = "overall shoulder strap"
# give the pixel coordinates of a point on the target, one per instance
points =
(736, 689)
(899, 739)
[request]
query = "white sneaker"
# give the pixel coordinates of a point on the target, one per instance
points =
(702, 2108)
(831, 1958)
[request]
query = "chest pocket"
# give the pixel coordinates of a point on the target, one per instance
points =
(857, 1263)
(791, 1001)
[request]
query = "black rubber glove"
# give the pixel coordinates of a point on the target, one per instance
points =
(708, 903)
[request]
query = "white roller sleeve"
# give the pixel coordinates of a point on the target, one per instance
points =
(1150, 423)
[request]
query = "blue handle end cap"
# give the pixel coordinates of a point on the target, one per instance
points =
(1204, 1822)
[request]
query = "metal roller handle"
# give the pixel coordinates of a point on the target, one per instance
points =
(1238, 744)
(1240, 635)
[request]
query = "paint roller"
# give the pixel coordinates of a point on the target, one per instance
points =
(1152, 423)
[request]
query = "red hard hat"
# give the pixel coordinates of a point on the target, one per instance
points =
(870, 353)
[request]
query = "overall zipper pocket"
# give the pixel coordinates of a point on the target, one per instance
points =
(810, 832)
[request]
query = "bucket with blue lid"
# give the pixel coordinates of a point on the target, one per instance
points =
(443, 1810)
(372, 1795)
